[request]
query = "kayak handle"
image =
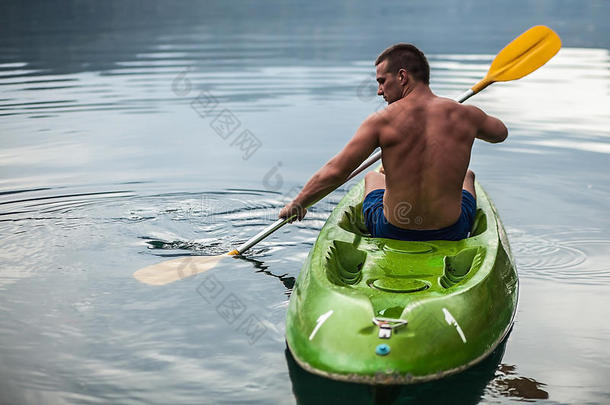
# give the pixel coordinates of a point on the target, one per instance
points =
(387, 325)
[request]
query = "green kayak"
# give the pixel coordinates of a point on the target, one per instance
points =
(383, 311)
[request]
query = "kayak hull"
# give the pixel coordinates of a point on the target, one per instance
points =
(383, 311)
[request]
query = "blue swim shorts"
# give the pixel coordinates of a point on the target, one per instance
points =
(380, 227)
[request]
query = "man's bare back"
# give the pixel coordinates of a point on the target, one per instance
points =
(426, 143)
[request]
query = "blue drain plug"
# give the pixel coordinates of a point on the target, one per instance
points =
(382, 349)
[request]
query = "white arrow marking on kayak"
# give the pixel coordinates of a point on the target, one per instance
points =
(451, 321)
(321, 319)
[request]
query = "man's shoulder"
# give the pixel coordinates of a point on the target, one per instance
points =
(457, 110)
(446, 103)
(379, 118)
(472, 112)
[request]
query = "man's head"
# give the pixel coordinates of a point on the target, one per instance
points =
(396, 67)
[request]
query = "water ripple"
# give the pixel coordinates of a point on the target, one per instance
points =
(574, 255)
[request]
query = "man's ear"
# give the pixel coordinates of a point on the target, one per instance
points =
(403, 77)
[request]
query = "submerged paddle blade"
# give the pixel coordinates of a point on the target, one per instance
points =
(522, 56)
(176, 269)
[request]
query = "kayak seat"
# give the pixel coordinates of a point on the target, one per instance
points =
(352, 220)
(344, 263)
(480, 223)
(457, 267)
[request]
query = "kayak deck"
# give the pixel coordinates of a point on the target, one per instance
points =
(385, 311)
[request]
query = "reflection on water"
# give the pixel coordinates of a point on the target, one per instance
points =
(111, 161)
(488, 378)
(507, 383)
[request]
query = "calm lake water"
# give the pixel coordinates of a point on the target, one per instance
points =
(112, 159)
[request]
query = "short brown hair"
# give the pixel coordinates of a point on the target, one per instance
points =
(408, 57)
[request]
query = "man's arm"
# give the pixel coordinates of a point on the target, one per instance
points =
(489, 129)
(336, 171)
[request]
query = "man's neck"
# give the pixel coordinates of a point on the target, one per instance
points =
(417, 89)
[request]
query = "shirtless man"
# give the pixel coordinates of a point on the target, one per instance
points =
(426, 191)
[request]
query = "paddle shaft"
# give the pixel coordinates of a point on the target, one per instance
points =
(283, 221)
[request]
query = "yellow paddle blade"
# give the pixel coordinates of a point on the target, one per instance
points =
(176, 269)
(522, 56)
